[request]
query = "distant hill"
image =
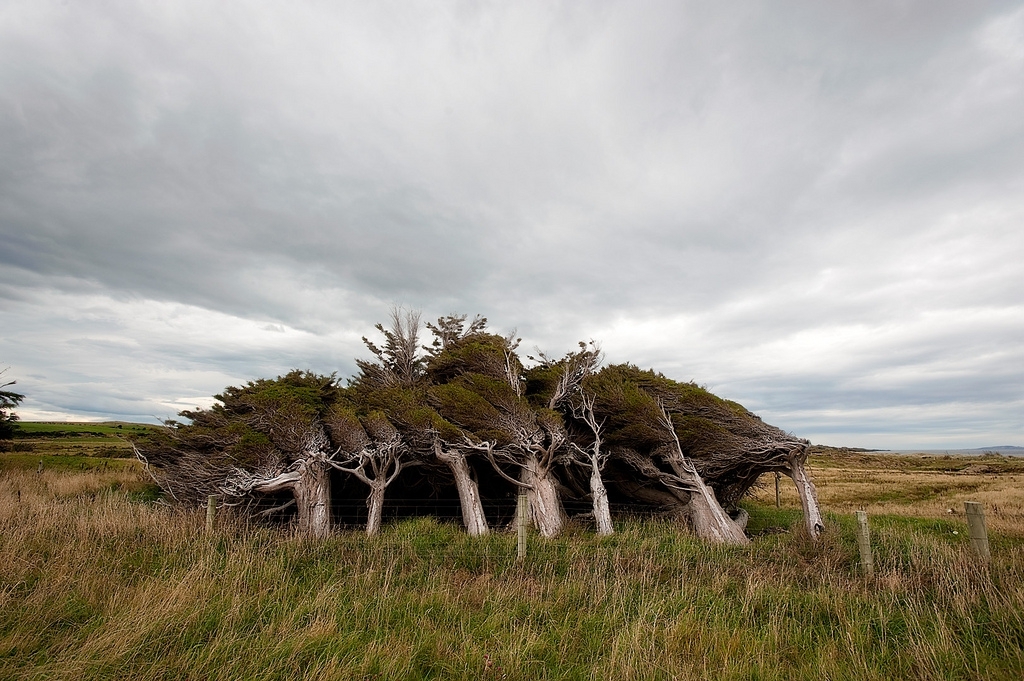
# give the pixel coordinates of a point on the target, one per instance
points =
(996, 448)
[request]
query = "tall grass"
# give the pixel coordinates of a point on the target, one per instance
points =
(96, 582)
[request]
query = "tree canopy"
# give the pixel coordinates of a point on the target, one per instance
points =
(9, 400)
(464, 418)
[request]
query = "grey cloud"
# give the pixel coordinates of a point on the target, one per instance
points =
(730, 179)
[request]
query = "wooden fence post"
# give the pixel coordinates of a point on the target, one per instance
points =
(976, 528)
(867, 561)
(211, 512)
(778, 499)
(522, 519)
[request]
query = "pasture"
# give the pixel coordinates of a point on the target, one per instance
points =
(99, 580)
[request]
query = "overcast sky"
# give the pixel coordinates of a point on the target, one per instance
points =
(815, 209)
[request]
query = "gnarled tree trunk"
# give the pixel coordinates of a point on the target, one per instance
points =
(376, 465)
(375, 507)
(709, 519)
(545, 503)
(309, 483)
(602, 511)
(469, 493)
(313, 497)
(594, 457)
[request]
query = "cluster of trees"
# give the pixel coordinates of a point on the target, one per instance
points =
(464, 417)
(9, 400)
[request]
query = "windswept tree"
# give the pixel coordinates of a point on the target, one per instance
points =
(650, 463)
(591, 454)
(727, 445)
(732, 447)
(263, 438)
(479, 385)
(709, 519)
(398, 362)
(374, 453)
(397, 385)
(557, 385)
(465, 413)
(9, 400)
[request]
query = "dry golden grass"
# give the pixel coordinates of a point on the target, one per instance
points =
(97, 583)
(915, 486)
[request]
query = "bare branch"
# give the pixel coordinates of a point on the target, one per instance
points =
(276, 509)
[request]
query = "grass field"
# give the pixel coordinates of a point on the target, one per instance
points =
(43, 439)
(29, 429)
(99, 582)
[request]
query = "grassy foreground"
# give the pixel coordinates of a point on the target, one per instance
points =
(98, 582)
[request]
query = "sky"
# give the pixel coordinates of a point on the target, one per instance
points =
(814, 209)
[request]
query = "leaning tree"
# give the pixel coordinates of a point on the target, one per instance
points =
(657, 427)
(259, 440)
(479, 385)
(465, 414)
(397, 384)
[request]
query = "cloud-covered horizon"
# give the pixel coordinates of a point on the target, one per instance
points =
(813, 210)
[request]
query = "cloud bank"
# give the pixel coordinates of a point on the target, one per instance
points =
(813, 210)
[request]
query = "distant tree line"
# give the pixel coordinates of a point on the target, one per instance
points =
(463, 420)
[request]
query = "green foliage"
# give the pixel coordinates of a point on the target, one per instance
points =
(452, 328)
(629, 411)
(478, 353)
(540, 382)
(263, 425)
(464, 407)
(252, 422)
(8, 401)
(470, 384)
(398, 362)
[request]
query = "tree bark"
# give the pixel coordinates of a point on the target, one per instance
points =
(545, 504)
(313, 497)
(741, 518)
(602, 511)
(310, 485)
(709, 519)
(808, 498)
(375, 504)
(469, 493)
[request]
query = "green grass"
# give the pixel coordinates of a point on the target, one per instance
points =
(45, 439)
(70, 429)
(100, 583)
(63, 462)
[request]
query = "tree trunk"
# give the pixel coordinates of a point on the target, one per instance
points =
(545, 505)
(741, 518)
(709, 519)
(311, 487)
(313, 498)
(602, 512)
(672, 504)
(469, 493)
(375, 503)
(808, 498)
